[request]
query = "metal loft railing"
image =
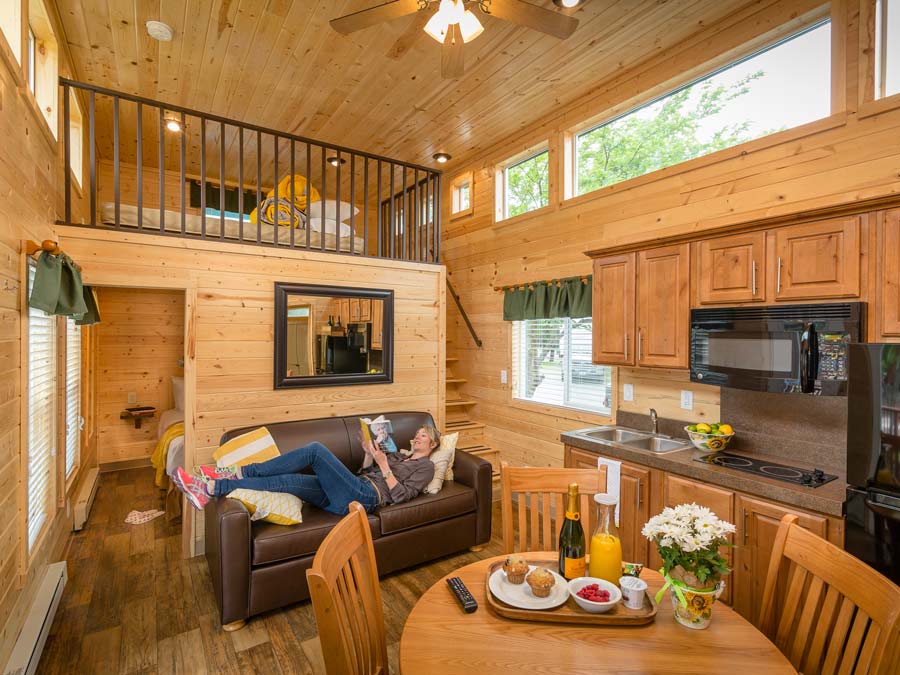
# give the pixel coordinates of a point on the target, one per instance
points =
(168, 170)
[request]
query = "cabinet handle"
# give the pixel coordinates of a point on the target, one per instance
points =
(753, 279)
(639, 345)
(640, 497)
(626, 346)
(778, 277)
(744, 534)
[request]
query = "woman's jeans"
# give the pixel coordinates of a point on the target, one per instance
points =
(332, 488)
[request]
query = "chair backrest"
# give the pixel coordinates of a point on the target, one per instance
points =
(827, 611)
(346, 598)
(541, 504)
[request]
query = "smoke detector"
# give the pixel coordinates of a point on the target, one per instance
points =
(160, 31)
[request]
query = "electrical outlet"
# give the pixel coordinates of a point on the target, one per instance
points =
(628, 392)
(503, 377)
(687, 399)
(132, 398)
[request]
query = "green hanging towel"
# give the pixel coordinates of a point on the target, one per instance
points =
(579, 297)
(47, 280)
(92, 315)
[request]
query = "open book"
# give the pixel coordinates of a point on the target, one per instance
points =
(378, 431)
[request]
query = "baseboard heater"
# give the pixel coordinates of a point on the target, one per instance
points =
(27, 652)
(85, 498)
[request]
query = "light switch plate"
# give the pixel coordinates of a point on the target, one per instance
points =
(504, 378)
(628, 392)
(132, 398)
(687, 399)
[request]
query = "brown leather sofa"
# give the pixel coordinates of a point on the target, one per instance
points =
(258, 566)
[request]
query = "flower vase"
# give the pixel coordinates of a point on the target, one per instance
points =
(696, 610)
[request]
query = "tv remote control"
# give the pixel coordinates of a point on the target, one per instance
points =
(462, 594)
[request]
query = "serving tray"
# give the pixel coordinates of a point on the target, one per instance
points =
(570, 612)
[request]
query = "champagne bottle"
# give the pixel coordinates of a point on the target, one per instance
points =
(571, 539)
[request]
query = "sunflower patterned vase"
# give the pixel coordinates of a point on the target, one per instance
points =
(697, 610)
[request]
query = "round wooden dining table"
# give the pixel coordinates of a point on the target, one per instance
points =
(439, 638)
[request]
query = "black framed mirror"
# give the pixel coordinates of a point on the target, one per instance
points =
(328, 336)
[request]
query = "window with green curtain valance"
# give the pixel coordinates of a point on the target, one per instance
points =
(548, 300)
(58, 289)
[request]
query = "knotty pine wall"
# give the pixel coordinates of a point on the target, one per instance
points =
(851, 156)
(229, 292)
(31, 177)
(140, 342)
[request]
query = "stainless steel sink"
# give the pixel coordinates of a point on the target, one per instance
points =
(615, 434)
(657, 444)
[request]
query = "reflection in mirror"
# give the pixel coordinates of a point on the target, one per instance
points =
(330, 335)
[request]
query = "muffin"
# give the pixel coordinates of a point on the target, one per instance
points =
(541, 581)
(515, 568)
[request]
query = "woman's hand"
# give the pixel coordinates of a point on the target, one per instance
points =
(380, 458)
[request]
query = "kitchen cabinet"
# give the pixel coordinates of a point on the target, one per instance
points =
(887, 307)
(731, 269)
(377, 323)
(613, 310)
(365, 310)
(817, 260)
(663, 307)
(354, 310)
(756, 530)
(634, 502)
(344, 311)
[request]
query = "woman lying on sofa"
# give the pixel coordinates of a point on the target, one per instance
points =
(383, 479)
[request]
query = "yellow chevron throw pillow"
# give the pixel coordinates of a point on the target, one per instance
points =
(274, 507)
(250, 448)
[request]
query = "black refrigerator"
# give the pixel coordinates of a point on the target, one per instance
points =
(872, 508)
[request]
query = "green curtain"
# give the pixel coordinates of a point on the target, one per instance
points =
(57, 289)
(542, 300)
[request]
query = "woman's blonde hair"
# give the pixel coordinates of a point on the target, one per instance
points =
(433, 435)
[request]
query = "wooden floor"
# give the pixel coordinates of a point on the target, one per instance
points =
(133, 605)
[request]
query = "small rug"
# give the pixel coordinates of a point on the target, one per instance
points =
(140, 517)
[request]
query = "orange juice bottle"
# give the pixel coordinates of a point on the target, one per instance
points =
(606, 548)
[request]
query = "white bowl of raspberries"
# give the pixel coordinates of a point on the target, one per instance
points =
(594, 595)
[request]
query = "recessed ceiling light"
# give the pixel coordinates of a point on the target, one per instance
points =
(441, 157)
(567, 4)
(334, 161)
(160, 31)
(173, 124)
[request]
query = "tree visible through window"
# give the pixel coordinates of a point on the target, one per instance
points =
(526, 185)
(782, 87)
(552, 365)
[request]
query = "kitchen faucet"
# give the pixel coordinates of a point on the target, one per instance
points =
(654, 421)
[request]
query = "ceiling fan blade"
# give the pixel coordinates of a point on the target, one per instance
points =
(375, 15)
(452, 65)
(534, 17)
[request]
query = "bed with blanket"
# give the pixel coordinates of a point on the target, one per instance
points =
(169, 452)
(193, 225)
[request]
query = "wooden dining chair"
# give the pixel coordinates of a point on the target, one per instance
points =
(827, 611)
(346, 598)
(541, 504)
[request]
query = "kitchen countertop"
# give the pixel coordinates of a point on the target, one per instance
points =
(827, 499)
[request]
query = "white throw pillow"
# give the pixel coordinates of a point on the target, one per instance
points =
(178, 392)
(315, 224)
(442, 458)
(331, 209)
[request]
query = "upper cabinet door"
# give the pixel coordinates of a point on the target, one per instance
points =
(817, 260)
(731, 269)
(664, 309)
(613, 310)
(889, 276)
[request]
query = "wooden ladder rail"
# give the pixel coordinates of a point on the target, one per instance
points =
(465, 316)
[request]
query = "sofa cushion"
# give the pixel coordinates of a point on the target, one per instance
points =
(272, 543)
(454, 499)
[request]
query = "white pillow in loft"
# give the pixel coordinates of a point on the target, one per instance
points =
(315, 224)
(331, 209)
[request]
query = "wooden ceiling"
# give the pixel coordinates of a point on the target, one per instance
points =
(277, 63)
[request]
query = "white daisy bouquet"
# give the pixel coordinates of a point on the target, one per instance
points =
(688, 538)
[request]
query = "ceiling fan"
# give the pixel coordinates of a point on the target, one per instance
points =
(453, 25)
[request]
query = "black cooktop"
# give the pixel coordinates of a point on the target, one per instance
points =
(791, 474)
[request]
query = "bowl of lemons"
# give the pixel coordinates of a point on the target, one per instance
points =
(710, 437)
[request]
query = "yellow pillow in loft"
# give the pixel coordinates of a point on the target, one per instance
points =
(280, 508)
(284, 196)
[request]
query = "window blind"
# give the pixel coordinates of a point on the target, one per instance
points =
(41, 414)
(73, 396)
(552, 365)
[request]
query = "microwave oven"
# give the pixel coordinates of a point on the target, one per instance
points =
(782, 349)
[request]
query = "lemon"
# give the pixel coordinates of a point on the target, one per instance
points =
(703, 428)
(726, 429)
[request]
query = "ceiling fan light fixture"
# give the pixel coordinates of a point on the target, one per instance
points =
(567, 4)
(440, 21)
(441, 157)
(469, 26)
